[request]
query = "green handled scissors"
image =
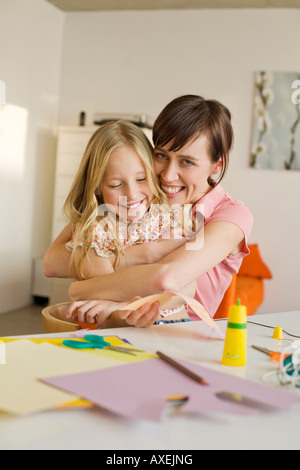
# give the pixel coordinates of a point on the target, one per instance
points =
(97, 342)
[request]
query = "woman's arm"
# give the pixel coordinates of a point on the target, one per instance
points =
(56, 261)
(212, 245)
(150, 252)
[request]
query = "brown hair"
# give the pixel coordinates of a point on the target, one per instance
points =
(189, 117)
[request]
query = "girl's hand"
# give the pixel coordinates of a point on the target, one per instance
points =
(93, 311)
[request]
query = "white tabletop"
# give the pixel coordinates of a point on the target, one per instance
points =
(95, 428)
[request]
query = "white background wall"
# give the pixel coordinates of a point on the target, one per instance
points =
(137, 62)
(31, 37)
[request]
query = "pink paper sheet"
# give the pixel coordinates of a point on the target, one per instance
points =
(138, 390)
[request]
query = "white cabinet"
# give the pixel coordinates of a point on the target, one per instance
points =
(71, 144)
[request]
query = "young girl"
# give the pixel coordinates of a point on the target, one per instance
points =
(114, 203)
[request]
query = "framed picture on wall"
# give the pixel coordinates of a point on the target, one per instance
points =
(275, 140)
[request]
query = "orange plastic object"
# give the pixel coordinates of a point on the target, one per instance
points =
(275, 356)
(247, 285)
(228, 300)
(249, 290)
(253, 265)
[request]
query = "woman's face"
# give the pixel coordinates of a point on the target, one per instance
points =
(183, 174)
(124, 187)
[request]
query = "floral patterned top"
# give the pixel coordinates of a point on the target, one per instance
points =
(150, 227)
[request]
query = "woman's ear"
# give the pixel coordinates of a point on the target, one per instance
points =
(217, 167)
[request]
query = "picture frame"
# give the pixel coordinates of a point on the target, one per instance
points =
(275, 140)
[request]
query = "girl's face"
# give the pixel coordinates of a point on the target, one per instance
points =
(125, 189)
(183, 174)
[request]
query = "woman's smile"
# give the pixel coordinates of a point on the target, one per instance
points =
(184, 173)
(171, 190)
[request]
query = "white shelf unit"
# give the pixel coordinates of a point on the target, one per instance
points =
(71, 143)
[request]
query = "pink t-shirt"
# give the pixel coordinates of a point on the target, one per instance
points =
(211, 286)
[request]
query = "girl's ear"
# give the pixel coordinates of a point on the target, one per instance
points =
(217, 167)
(98, 195)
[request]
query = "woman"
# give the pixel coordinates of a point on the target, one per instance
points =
(192, 139)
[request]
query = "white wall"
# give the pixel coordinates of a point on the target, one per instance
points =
(138, 61)
(31, 37)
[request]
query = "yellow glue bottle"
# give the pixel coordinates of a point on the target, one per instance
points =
(235, 348)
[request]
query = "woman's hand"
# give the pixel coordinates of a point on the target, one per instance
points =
(143, 317)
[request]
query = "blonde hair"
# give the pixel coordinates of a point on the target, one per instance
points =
(81, 206)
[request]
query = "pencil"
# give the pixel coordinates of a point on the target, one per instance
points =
(181, 368)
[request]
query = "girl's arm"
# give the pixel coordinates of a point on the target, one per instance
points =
(56, 261)
(57, 257)
(212, 245)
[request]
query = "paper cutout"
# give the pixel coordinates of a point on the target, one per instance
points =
(192, 303)
(140, 390)
(150, 299)
(201, 312)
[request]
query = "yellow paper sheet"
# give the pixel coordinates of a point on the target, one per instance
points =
(50, 356)
(22, 393)
(113, 340)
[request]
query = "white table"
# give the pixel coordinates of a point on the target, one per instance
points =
(95, 428)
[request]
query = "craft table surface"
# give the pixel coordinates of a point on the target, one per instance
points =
(95, 428)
